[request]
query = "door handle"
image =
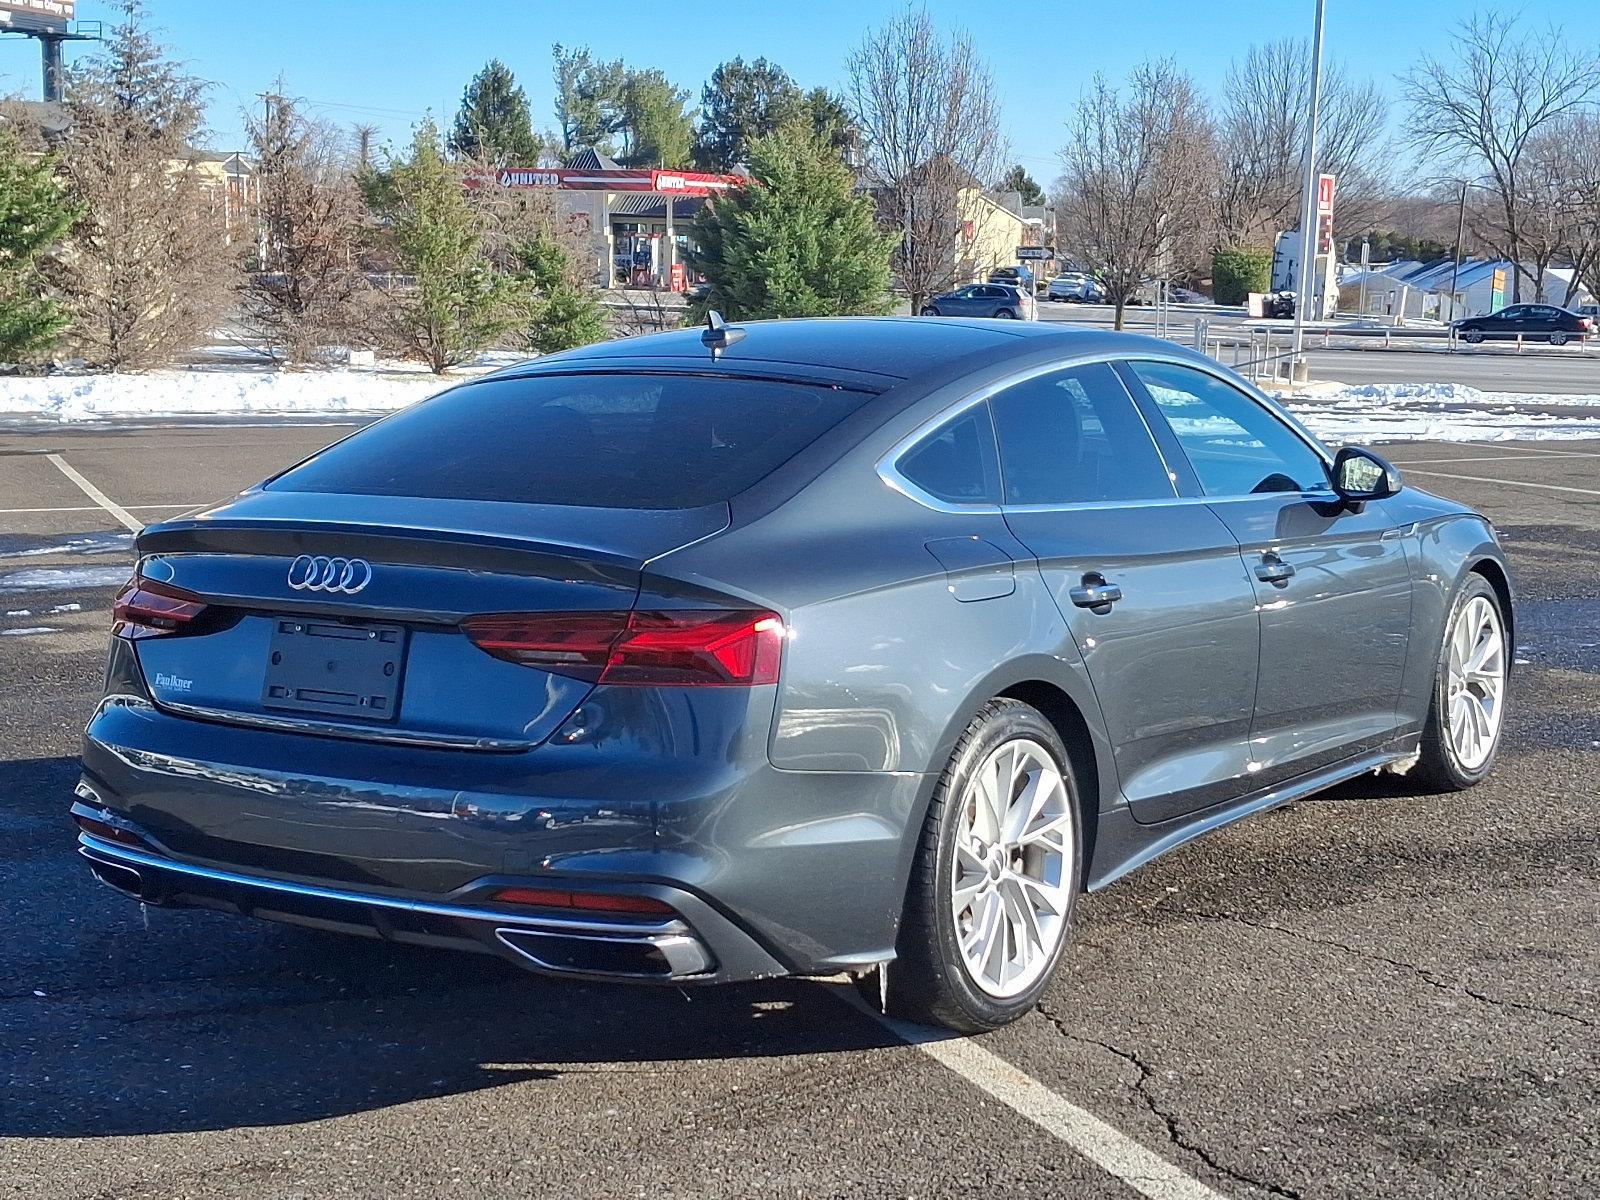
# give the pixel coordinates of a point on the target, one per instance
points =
(1272, 569)
(1095, 594)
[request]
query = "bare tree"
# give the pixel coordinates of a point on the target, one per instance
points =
(1576, 140)
(1261, 133)
(1477, 111)
(1135, 178)
(308, 291)
(929, 124)
(150, 271)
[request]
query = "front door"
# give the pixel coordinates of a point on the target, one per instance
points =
(1151, 586)
(1331, 581)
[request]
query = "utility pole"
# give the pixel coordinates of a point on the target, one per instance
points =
(1308, 208)
(1455, 271)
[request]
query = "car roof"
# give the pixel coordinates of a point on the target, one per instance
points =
(869, 352)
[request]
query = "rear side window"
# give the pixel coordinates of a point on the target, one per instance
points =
(600, 441)
(1074, 437)
(956, 462)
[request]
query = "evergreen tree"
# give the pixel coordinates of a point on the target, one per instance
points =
(831, 120)
(588, 99)
(563, 310)
(740, 103)
(153, 265)
(1017, 179)
(460, 304)
(798, 242)
(656, 130)
(493, 125)
(35, 215)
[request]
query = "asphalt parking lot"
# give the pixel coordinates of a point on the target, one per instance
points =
(1375, 993)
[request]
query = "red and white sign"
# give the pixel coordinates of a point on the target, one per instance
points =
(1324, 193)
(679, 183)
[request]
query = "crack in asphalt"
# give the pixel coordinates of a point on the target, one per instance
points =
(1175, 1132)
(1422, 973)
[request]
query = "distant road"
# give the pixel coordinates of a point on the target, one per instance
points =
(1540, 369)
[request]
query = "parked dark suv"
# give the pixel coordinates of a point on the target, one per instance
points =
(1543, 322)
(801, 648)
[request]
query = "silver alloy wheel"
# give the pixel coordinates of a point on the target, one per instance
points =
(1009, 890)
(1475, 691)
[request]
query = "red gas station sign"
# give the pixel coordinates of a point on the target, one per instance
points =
(677, 183)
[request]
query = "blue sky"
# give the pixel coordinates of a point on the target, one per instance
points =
(389, 62)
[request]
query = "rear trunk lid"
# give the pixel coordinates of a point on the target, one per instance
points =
(341, 614)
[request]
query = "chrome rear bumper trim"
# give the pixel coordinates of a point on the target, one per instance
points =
(108, 853)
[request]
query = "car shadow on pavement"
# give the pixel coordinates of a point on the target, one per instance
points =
(202, 1021)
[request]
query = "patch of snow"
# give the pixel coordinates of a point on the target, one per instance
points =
(23, 631)
(61, 579)
(213, 393)
(18, 612)
(1440, 412)
(65, 608)
(99, 543)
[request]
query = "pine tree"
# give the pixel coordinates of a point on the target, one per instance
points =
(740, 103)
(563, 311)
(152, 269)
(493, 125)
(460, 304)
(798, 242)
(657, 130)
(34, 216)
(588, 98)
(1017, 179)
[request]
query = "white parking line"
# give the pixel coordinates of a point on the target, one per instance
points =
(1108, 1148)
(1545, 487)
(128, 520)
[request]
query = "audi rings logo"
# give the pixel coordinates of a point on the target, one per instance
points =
(320, 574)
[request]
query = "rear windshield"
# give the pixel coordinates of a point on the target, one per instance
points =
(599, 441)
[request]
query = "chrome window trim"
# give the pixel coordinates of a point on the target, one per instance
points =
(888, 464)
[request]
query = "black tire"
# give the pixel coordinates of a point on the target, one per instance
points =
(1006, 314)
(1558, 339)
(1472, 337)
(928, 982)
(929, 310)
(1438, 769)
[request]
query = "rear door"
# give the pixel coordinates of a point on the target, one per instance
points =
(1332, 584)
(1151, 586)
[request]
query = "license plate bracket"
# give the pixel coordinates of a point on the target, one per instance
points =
(335, 668)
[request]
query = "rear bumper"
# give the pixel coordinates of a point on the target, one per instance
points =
(697, 946)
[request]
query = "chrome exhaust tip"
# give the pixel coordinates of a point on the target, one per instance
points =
(663, 956)
(117, 877)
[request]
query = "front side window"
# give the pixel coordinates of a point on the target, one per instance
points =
(1237, 447)
(956, 462)
(1075, 437)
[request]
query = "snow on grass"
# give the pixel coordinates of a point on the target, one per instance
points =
(73, 398)
(62, 579)
(1443, 412)
(237, 390)
(24, 631)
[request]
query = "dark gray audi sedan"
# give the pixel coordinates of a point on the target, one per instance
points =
(801, 648)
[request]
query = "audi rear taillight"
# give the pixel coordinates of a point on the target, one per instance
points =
(145, 609)
(675, 648)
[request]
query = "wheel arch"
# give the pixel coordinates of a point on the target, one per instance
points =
(1493, 571)
(1072, 727)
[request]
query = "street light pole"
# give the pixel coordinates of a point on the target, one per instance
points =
(1308, 206)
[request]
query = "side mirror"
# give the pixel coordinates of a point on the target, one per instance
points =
(1360, 475)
